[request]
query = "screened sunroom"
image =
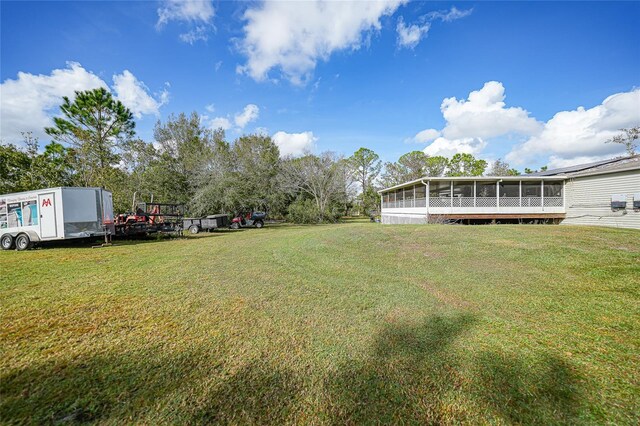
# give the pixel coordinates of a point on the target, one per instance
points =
(482, 197)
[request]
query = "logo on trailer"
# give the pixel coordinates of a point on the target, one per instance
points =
(46, 202)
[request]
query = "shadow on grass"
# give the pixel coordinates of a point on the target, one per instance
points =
(134, 386)
(413, 375)
(91, 243)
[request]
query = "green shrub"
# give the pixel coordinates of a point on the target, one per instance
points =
(304, 211)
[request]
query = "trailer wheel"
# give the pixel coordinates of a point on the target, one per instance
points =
(6, 242)
(23, 242)
(259, 224)
(194, 229)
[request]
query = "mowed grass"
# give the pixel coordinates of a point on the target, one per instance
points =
(341, 324)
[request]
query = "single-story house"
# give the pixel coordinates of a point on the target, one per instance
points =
(605, 193)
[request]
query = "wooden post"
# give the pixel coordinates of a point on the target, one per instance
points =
(498, 195)
(542, 194)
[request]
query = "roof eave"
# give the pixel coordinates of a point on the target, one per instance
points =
(475, 178)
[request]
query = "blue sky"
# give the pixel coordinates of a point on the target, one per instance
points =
(338, 76)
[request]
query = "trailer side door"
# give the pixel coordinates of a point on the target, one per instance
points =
(47, 206)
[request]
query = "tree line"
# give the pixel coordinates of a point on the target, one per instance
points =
(94, 144)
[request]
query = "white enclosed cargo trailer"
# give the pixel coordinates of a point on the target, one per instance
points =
(28, 218)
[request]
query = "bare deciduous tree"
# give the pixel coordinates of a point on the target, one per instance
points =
(628, 138)
(320, 176)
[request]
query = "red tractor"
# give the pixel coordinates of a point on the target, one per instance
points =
(149, 218)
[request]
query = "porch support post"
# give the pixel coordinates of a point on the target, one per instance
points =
(414, 196)
(451, 194)
(427, 197)
(474, 193)
(520, 193)
(542, 194)
(564, 194)
(498, 194)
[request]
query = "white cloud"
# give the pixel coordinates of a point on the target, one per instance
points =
(192, 11)
(294, 144)
(571, 137)
(484, 115)
(293, 36)
(471, 122)
(220, 122)
(449, 147)
(198, 33)
(249, 114)
(426, 135)
(410, 35)
(135, 95)
(196, 14)
(28, 102)
(210, 108)
(448, 16)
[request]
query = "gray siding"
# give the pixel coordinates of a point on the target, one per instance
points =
(588, 200)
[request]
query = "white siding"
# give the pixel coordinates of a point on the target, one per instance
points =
(404, 219)
(588, 200)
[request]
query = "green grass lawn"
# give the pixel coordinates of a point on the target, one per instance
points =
(339, 324)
